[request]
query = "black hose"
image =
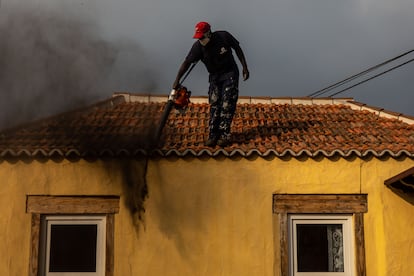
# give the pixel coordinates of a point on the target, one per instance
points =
(169, 105)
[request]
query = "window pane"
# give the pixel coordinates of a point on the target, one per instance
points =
(73, 248)
(320, 248)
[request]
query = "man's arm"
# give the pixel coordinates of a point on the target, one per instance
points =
(183, 68)
(240, 55)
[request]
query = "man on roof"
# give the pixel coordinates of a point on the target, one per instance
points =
(214, 49)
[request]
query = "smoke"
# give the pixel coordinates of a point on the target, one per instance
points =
(52, 62)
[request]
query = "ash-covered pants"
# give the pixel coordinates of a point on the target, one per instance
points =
(223, 95)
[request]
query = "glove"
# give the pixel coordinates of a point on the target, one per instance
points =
(246, 74)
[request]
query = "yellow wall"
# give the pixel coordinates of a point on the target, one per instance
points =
(207, 216)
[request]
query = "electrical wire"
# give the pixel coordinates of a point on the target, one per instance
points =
(373, 77)
(353, 77)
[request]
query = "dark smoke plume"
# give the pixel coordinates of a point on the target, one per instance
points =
(50, 63)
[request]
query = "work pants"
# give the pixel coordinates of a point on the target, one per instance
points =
(223, 95)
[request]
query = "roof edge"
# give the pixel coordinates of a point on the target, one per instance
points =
(399, 176)
(207, 152)
(146, 98)
(381, 112)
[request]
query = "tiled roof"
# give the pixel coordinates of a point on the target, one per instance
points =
(125, 125)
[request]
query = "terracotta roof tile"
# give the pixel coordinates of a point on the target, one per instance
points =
(125, 125)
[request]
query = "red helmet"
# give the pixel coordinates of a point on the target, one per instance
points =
(200, 29)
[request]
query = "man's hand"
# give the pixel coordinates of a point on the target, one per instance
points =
(173, 92)
(246, 73)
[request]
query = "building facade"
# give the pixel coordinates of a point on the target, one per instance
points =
(307, 187)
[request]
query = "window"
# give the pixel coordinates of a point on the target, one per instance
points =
(320, 234)
(72, 245)
(320, 244)
(72, 235)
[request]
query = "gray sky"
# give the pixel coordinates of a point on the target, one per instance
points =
(293, 47)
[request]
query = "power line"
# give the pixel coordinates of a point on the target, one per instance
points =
(353, 77)
(373, 77)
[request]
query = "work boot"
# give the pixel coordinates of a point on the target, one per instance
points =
(211, 142)
(224, 141)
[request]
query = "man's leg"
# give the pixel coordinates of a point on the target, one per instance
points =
(215, 99)
(230, 96)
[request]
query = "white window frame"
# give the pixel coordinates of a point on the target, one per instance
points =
(348, 241)
(48, 221)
